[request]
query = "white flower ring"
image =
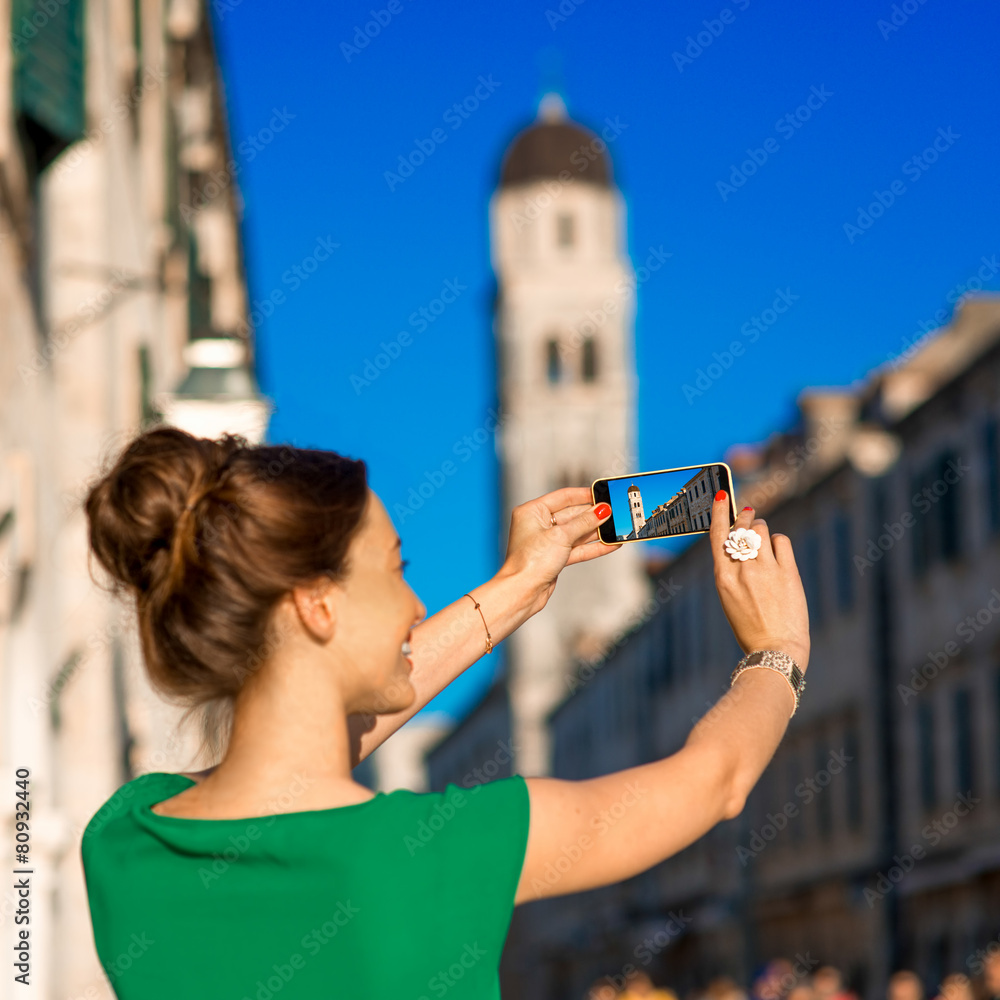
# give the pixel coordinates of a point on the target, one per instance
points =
(743, 544)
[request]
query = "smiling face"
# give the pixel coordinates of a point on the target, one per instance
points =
(375, 611)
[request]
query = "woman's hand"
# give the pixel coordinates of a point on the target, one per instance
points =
(540, 550)
(763, 598)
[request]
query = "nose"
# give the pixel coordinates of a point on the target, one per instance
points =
(421, 612)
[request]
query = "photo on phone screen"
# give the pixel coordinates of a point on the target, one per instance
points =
(662, 504)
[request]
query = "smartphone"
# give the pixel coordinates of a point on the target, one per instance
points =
(662, 504)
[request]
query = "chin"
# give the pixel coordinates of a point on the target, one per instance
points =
(394, 696)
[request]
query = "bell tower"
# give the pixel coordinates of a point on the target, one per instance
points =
(563, 326)
(635, 508)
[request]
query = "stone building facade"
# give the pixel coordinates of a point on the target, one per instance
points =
(124, 303)
(870, 841)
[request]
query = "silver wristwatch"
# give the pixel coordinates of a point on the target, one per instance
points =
(774, 660)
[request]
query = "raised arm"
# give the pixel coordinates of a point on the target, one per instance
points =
(450, 641)
(585, 834)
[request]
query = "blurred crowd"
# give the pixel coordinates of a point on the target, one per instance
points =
(781, 979)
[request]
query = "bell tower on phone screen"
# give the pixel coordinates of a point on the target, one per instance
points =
(563, 326)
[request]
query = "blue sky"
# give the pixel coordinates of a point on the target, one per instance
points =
(765, 217)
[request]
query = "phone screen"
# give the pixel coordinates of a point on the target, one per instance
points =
(664, 503)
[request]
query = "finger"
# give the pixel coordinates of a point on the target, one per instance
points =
(570, 511)
(765, 553)
(591, 550)
(783, 553)
(744, 517)
(718, 532)
(718, 528)
(569, 495)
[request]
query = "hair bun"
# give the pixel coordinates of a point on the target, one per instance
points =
(134, 510)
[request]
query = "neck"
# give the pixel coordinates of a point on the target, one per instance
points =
(290, 741)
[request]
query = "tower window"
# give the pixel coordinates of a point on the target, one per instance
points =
(565, 234)
(552, 361)
(589, 366)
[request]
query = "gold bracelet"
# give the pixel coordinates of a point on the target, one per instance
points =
(489, 639)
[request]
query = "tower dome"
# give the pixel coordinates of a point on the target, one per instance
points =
(553, 144)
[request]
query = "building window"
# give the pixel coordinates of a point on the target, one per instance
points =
(950, 508)
(852, 776)
(991, 445)
(936, 495)
(925, 754)
(796, 825)
(810, 570)
(996, 728)
(844, 571)
(665, 654)
(962, 721)
(565, 235)
(589, 367)
(824, 812)
(553, 362)
(48, 77)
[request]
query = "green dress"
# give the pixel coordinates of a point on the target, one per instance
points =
(401, 897)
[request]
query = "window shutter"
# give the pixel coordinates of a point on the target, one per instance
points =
(48, 46)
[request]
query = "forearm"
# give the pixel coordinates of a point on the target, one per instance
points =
(645, 814)
(740, 734)
(446, 644)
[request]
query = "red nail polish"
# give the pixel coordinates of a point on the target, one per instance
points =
(748, 507)
(721, 495)
(602, 510)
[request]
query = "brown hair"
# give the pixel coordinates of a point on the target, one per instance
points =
(207, 536)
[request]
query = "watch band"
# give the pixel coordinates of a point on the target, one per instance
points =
(774, 659)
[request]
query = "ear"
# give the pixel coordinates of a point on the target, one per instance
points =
(318, 605)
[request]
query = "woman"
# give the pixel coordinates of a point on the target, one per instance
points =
(268, 581)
